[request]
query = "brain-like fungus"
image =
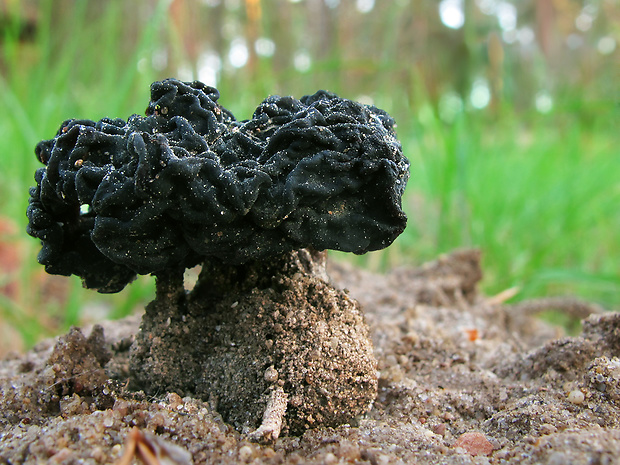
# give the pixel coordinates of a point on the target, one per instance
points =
(262, 333)
(189, 182)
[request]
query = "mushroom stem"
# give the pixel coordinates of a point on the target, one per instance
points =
(169, 286)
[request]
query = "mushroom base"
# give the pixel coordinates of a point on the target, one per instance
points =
(246, 332)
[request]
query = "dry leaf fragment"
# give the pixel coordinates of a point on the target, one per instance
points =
(153, 450)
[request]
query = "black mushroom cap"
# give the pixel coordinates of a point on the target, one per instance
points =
(188, 182)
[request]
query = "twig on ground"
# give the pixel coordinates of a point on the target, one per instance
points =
(271, 426)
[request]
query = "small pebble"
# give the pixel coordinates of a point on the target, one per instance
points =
(97, 454)
(62, 456)
(439, 429)
(474, 444)
(246, 453)
(174, 400)
(576, 397)
(271, 374)
(547, 428)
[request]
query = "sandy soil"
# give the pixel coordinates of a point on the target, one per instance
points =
(462, 378)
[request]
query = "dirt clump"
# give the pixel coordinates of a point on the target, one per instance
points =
(286, 336)
(452, 365)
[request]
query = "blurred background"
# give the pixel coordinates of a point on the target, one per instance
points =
(509, 112)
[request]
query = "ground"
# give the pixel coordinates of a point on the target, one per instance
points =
(462, 378)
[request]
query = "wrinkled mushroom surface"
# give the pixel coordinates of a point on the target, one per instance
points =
(188, 182)
(254, 202)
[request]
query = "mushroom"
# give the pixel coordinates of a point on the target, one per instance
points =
(251, 202)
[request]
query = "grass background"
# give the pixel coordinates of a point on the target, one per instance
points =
(539, 193)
